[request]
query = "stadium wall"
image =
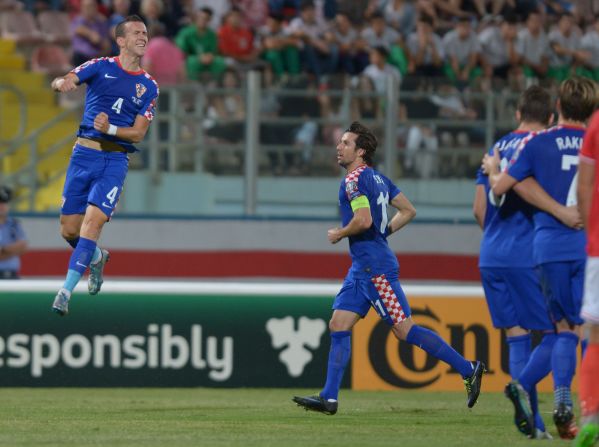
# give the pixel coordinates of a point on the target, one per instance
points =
(242, 248)
(232, 334)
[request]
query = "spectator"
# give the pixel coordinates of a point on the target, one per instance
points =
(319, 54)
(219, 10)
(400, 15)
(351, 59)
(90, 33)
(590, 52)
(163, 59)
(532, 47)
(462, 50)
(425, 49)
(355, 10)
(379, 71)
(120, 10)
(236, 41)
(564, 42)
(498, 48)
(288, 9)
(226, 112)
(12, 238)
(199, 43)
(365, 106)
(379, 34)
(279, 49)
(254, 12)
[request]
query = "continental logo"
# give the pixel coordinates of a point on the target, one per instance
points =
(381, 362)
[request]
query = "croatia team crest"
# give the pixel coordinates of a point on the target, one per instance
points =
(140, 90)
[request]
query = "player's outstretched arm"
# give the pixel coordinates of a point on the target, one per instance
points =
(530, 190)
(405, 213)
(134, 134)
(65, 83)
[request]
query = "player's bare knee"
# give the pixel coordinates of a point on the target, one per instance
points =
(564, 326)
(516, 331)
(68, 232)
(336, 325)
(402, 329)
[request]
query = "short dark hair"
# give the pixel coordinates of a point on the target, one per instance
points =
(535, 105)
(120, 28)
(5, 194)
(578, 98)
(208, 11)
(425, 18)
(365, 140)
(381, 50)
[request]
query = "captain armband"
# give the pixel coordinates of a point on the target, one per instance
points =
(360, 202)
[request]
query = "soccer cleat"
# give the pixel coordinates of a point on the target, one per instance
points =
(588, 435)
(61, 302)
(523, 417)
(474, 383)
(317, 403)
(564, 421)
(539, 434)
(95, 280)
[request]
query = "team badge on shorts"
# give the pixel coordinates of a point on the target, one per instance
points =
(140, 89)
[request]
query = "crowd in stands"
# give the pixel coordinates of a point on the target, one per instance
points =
(447, 47)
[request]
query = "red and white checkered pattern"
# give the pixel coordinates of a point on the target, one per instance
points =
(389, 299)
(355, 174)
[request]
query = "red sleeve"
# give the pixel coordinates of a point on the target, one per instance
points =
(589, 150)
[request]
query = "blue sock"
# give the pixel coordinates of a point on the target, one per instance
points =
(563, 365)
(539, 363)
(534, 406)
(436, 346)
(519, 353)
(97, 255)
(338, 358)
(583, 346)
(79, 262)
(73, 242)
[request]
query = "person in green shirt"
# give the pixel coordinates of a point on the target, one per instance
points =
(199, 43)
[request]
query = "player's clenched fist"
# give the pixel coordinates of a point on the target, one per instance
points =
(64, 84)
(101, 122)
(334, 235)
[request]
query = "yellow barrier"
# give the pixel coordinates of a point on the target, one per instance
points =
(381, 362)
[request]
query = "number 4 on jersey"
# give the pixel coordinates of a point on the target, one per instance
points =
(118, 105)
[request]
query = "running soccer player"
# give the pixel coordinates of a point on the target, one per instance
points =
(119, 106)
(512, 289)
(551, 157)
(588, 203)
(372, 280)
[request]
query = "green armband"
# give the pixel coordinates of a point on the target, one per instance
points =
(360, 202)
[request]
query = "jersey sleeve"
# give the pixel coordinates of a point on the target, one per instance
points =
(393, 190)
(356, 192)
(521, 164)
(588, 153)
(87, 70)
(148, 108)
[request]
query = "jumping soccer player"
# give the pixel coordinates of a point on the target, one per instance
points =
(372, 280)
(551, 157)
(512, 288)
(588, 203)
(119, 106)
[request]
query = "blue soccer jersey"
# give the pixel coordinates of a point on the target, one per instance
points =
(551, 157)
(119, 93)
(369, 250)
(508, 228)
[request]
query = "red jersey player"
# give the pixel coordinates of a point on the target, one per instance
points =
(588, 203)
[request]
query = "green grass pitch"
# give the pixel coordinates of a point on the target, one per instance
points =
(253, 417)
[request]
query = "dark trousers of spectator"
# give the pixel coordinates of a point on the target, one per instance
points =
(320, 63)
(8, 274)
(353, 64)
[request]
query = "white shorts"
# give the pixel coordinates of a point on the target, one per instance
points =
(590, 306)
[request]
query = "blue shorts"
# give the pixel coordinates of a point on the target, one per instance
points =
(385, 295)
(515, 298)
(94, 177)
(563, 284)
